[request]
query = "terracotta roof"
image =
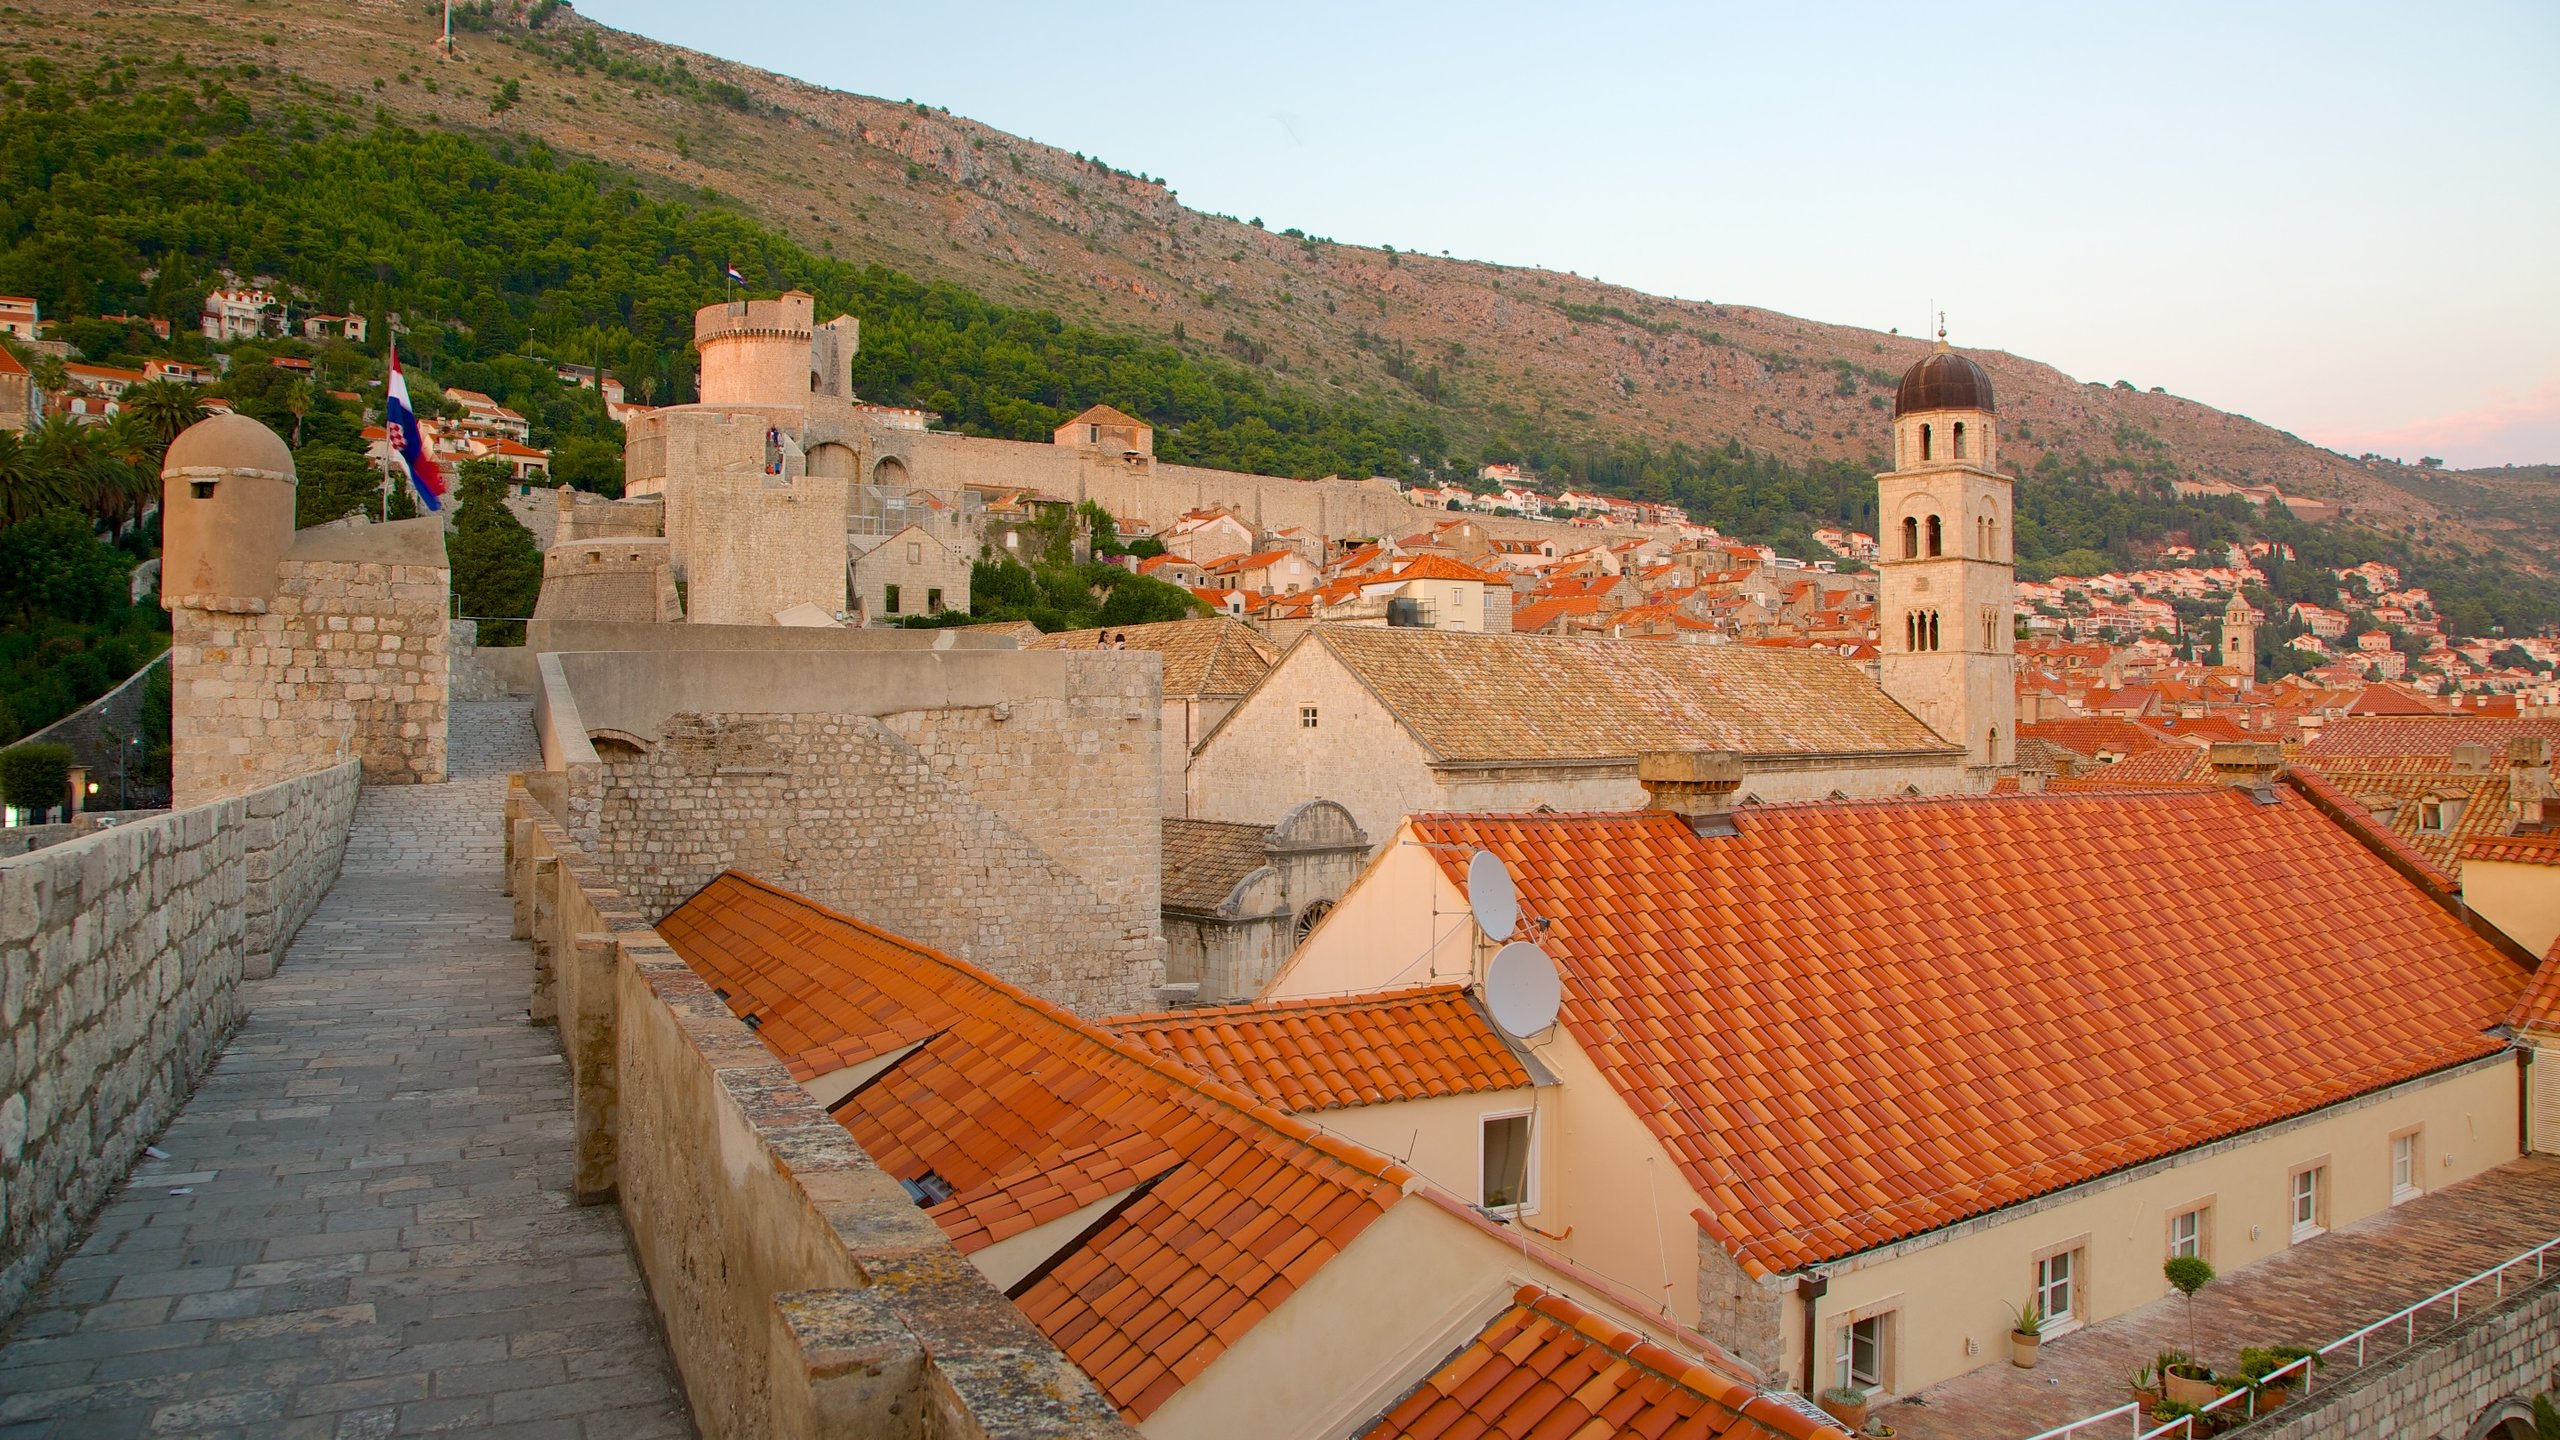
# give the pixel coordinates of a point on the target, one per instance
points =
(2540, 1007)
(2085, 736)
(2424, 735)
(2402, 784)
(1106, 415)
(1205, 859)
(2392, 699)
(1217, 655)
(1536, 698)
(2160, 764)
(1825, 1018)
(2541, 849)
(1441, 567)
(1542, 613)
(10, 364)
(1005, 1089)
(1327, 1054)
(1546, 1367)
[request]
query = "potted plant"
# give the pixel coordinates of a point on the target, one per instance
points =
(2189, 1383)
(1877, 1430)
(2257, 1363)
(2026, 1335)
(1846, 1404)
(2144, 1386)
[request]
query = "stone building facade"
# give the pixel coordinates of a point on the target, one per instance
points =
(1238, 898)
(913, 572)
(999, 805)
(292, 652)
(624, 579)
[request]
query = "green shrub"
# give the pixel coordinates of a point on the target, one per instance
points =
(35, 777)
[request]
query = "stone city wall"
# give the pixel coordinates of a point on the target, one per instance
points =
(999, 806)
(803, 1293)
(2438, 1386)
(348, 661)
(124, 952)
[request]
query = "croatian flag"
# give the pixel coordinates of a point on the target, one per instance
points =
(405, 438)
(733, 273)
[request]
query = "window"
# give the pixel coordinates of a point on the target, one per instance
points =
(2310, 1201)
(1093, 434)
(1860, 1361)
(915, 552)
(1924, 442)
(2186, 1232)
(1959, 437)
(933, 601)
(2056, 1290)
(1910, 537)
(1506, 1162)
(1306, 717)
(889, 600)
(2406, 1172)
(1937, 537)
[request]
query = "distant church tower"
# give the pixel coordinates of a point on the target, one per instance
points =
(2240, 639)
(1947, 567)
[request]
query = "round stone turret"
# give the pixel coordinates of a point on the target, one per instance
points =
(757, 352)
(226, 516)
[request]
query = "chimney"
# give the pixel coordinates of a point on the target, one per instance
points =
(2031, 781)
(1696, 785)
(2529, 780)
(2250, 765)
(2470, 759)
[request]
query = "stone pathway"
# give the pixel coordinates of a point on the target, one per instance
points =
(2310, 1294)
(363, 1225)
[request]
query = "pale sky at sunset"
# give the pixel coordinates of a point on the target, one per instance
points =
(2342, 219)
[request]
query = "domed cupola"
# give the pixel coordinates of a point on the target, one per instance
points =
(1943, 380)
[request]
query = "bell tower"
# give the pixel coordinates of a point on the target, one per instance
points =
(2240, 639)
(1946, 566)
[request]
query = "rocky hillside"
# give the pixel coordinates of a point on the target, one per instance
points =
(1499, 351)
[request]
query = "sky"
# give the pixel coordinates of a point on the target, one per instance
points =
(2340, 219)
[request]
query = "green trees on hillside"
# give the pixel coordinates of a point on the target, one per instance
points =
(497, 567)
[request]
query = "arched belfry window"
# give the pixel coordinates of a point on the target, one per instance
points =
(1910, 537)
(1911, 631)
(1937, 537)
(1924, 442)
(1959, 438)
(1933, 629)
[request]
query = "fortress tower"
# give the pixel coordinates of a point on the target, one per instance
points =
(292, 651)
(1946, 566)
(2240, 639)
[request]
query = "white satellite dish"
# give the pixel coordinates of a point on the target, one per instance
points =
(1522, 989)
(1492, 896)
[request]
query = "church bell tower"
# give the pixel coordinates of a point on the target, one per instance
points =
(1946, 566)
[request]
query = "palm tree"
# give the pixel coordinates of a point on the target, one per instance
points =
(168, 406)
(27, 489)
(131, 482)
(297, 401)
(82, 470)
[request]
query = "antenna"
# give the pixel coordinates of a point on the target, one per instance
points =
(1490, 893)
(1522, 989)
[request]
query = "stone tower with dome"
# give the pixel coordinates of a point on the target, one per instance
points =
(1946, 563)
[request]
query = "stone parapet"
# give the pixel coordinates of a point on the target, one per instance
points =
(123, 953)
(2505, 1350)
(803, 1293)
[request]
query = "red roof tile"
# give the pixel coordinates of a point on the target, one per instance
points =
(1018, 1106)
(1855, 1022)
(2378, 736)
(1326, 1054)
(1547, 1367)
(2516, 849)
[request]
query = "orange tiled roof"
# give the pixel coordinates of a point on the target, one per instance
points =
(2424, 735)
(1539, 614)
(1441, 567)
(1144, 1303)
(1824, 1017)
(2402, 784)
(1106, 415)
(1549, 1368)
(2516, 849)
(2161, 764)
(2540, 1007)
(1327, 1054)
(2086, 735)
(1204, 861)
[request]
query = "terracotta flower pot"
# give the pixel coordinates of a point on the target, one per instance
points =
(2022, 1349)
(2273, 1397)
(1852, 1418)
(2185, 1391)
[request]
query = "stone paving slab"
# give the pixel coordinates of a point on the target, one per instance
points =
(2310, 1294)
(363, 1226)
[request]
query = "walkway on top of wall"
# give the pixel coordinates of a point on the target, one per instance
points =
(2310, 1294)
(363, 1225)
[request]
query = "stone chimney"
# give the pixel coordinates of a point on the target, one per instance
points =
(2470, 759)
(2031, 781)
(1696, 785)
(2249, 764)
(2529, 780)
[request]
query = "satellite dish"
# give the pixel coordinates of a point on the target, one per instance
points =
(1492, 896)
(1522, 989)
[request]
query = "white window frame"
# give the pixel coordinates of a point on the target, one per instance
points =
(2408, 1165)
(2195, 1219)
(1844, 1369)
(1528, 1162)
(2073, 1284)
(2310, 1183)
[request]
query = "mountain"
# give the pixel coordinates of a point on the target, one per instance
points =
(1511, 362)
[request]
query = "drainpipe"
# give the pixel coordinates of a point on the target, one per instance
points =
(1812, 1288)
